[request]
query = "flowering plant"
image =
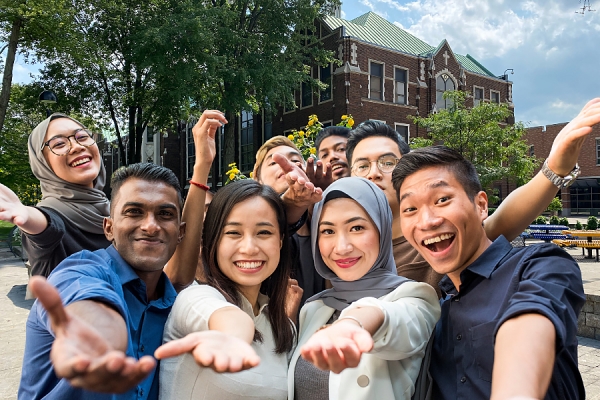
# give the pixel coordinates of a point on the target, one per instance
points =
(234, 174)
(305, 139)
(347, 121)
(30, 195)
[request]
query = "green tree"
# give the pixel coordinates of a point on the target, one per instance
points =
(592, 223)
(481, 135)
(555, 206)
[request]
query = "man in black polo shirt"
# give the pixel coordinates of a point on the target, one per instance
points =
(509, 315)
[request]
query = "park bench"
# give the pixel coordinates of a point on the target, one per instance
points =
(584, 244)
(12, 241)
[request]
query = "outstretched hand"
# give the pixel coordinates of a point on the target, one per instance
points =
(301, 192)
(293, 297)
(204, 135)
(338, 346)
(321, 176)
(81, 354)
(212, 349)
(567, 144)
(11, 208)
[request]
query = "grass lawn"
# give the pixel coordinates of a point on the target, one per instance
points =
(5, 227)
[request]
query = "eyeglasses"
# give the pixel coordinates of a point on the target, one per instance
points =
(385, 164)
(61, 145)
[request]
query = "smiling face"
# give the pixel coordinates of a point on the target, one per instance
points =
(348, 239)
(333, 150)
(81, 165)
(371, 149)
(441, 221)
(145, 225)
(271, 173)
(249, 245)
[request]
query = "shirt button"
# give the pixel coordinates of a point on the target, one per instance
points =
(362, 381)
(458, 337)
(141, 392)
(456, 299)
(463, 379)
(142, 348)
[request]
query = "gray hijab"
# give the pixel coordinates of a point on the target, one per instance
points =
(82, 206)
(382, 278)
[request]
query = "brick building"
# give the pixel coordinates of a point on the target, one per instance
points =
(583, 197)
(384, 74)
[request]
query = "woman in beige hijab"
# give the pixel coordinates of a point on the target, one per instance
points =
(65, 158)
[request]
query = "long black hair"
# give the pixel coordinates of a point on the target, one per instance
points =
(275, 287)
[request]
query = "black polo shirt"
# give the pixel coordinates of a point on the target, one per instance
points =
(503, 283)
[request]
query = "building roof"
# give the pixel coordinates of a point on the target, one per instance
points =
(374, 29)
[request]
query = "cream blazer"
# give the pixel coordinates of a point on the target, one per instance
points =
(390, 370)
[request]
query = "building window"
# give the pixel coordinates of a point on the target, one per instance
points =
(494, 96)
(598, 151)
(149, 134)
(288, 108)
(400, 85)
(327, 123)
(376, 81)
(477, 96)
(531, 151)
(403, 131)
(325, 77)
(306, 100)
(268, 124)
(246, 141)
(191, 149)
(443, 84)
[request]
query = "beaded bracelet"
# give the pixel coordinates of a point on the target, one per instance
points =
(352, 318)
(200, 185)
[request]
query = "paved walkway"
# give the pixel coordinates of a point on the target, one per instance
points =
(14, 310)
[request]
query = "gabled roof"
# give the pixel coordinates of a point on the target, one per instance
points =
(374, 29)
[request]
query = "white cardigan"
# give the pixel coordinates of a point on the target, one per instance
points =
(390, 370)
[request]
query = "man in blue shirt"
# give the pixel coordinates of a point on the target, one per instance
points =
(509, 316)
(116, 301)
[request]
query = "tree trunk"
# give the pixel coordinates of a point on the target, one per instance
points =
(229, 142)
(13, 41)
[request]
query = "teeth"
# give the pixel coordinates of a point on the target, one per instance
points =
(248, 264)
(438, 238)
(79, 162)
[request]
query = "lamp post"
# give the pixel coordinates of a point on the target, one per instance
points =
(505, 75)
(47, 97)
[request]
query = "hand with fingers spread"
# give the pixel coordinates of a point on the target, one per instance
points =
(321, 175)
(204, 135)
(213, 349)
(90, 344)
(567, 144)
(301, 192)
(337, 347)
(293, 299)
(28, 219)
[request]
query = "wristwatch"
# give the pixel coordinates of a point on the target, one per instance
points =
(559, 181)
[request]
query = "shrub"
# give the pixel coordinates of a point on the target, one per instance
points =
(578, 226)
(541, 220)
(592, 223)
(491, 210)
(554, 220)
(555, 205)
(563, 221)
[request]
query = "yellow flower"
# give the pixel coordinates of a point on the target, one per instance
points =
(313, 150)
(232, 164)
(350, 122)
(291, 137)
(311, 122)
(235, 171)
(344, 117)
(301, 133)
(231, 176)
(251, 175)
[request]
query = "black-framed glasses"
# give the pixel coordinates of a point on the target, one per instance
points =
(61, 145)
(386, 164)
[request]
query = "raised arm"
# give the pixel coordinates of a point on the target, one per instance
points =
(524, 204)
(90, 343)
(28, 219)
(181, 268)
(523, 358)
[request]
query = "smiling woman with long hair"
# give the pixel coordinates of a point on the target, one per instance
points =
(238, 318)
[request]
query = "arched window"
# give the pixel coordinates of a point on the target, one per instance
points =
(443, 83)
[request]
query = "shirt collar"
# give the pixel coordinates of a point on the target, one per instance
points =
(483, 266)
(126, 274)
(263, 301)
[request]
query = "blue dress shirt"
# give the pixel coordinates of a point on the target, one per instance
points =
(502, 283)
(102, 276)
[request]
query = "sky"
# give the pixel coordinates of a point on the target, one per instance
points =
(553, 50)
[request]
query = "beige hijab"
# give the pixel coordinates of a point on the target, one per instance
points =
(82, 206)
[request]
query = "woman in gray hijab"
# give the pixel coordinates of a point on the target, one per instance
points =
(366, 336)
(65, 158)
